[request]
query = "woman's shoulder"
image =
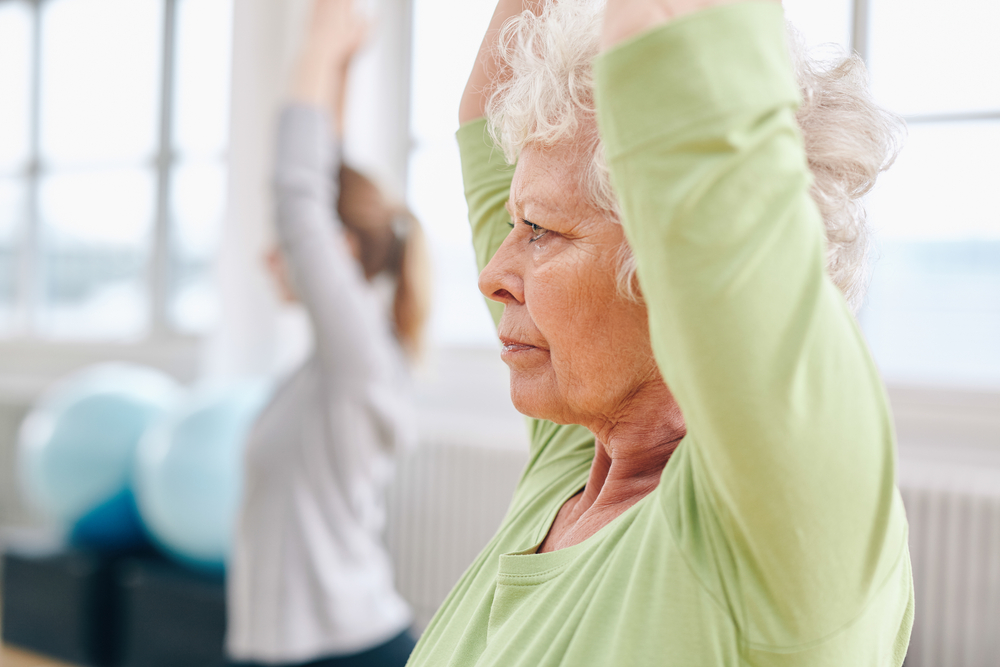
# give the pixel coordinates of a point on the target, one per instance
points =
(559, 453)
(554, 442)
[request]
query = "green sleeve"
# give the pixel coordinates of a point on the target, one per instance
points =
(487, 178)
(790, 434)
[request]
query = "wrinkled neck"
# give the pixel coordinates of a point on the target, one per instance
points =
(630, 456)
(631, 451)
(635, 442)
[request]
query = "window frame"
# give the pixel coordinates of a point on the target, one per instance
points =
(967, 417)
(162, 345)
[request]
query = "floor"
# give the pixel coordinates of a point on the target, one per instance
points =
(16, 657)
(13, 657)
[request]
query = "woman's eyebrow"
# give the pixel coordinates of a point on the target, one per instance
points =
(510, 208)
(536, 203)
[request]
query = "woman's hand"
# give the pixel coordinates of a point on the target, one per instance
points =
(334, 35)
(627, 18)
(486, 69)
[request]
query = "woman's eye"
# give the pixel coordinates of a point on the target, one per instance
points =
(536, 231)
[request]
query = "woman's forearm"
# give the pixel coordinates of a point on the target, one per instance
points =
(624, 19)
(316, 82)
(486, 69)
(334, 34)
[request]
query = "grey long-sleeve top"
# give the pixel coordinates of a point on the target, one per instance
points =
(310, 576)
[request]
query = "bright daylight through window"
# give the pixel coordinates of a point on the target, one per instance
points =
(113, 125)
(113, 122)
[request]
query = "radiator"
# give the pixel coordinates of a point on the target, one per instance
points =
(953, 508)
(445, 505)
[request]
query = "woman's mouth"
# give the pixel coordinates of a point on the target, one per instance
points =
(515, 352)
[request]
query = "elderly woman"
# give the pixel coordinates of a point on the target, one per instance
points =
(711, 479)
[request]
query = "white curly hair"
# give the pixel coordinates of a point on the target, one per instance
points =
(548, 98)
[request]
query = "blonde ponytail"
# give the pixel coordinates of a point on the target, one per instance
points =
(390, 241)
(411, 304)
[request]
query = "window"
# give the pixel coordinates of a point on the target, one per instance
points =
(440, 70)
(113, 123)
(933, 313)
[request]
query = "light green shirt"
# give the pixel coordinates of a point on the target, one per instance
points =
(776, 535)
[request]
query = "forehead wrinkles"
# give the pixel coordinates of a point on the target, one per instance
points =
(547, 182)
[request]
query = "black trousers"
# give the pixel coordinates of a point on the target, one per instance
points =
(393, 653)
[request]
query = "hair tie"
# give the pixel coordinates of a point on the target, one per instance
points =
(401, 227)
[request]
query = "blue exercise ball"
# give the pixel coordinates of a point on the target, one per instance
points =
(188, 473)
(77, 448)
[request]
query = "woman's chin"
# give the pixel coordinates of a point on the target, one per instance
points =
(532, 399)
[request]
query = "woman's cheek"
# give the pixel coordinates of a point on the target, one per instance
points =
(549, 297)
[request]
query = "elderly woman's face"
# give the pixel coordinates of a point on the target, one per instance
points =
(578, 352)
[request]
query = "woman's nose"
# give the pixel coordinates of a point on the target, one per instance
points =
(501, 279)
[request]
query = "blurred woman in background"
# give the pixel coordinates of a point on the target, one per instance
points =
(310, 580)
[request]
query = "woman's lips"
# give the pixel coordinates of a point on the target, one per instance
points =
(515, 351)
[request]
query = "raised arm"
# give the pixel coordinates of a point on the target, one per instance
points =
(334, 34)
(788, 426)
(351, 336)
(486, 69)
